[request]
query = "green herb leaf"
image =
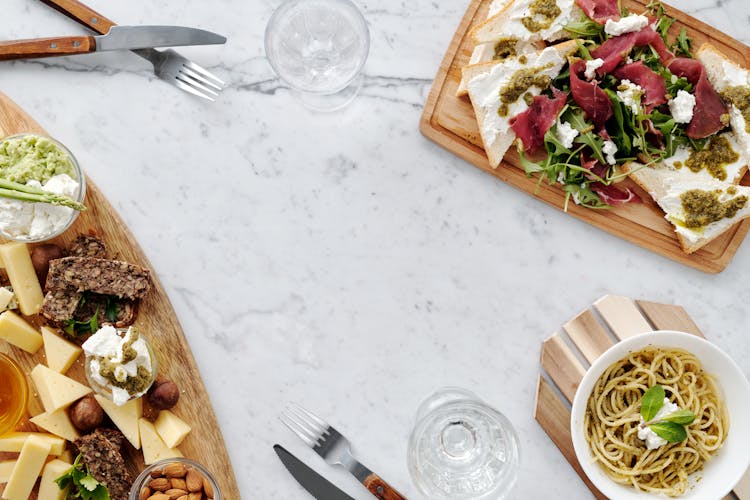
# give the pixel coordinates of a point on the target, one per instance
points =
(584, 28)
(653, 400)
(682, 417)
(672, 432)
(81, 483)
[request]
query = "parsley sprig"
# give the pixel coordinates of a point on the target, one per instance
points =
(671, 426)
(81, 484)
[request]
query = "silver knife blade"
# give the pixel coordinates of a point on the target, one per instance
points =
(145, 37)
(318, 486)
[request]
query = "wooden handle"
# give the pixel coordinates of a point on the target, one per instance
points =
(82, 14)
(381, 489)
(47, 47)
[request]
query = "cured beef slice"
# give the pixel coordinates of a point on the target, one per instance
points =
(101, 454)
(107, 277)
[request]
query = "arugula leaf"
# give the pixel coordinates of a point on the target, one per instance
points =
(585, 28)
(682, 417)
(81, 483)
(586, 136)
(651, 403)
(672, 432)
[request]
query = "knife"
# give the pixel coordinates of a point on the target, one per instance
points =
(118, 38)
(314, 483)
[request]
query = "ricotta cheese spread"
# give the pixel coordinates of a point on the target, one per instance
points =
(627, 24)
(566, 134)
(591, 67)
(682, 106)
(653, 441)
(28, 220)
(120, 364)
(513, 25)
(630, 95)
(609, 149)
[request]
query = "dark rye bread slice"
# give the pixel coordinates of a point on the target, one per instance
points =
(125, 310)
(60, 305)
(106, 277)
(88, 246)
(101, 451)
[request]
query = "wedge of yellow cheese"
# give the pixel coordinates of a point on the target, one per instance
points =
(171, 428)
(56, 390)
(13, 442)
(6, 467)
(29, 465)
(5, 297)
(48, 488)
(60, 353)
(154, 449)
(57, 423)
(125, 417)
(14, 329)
(17, 260)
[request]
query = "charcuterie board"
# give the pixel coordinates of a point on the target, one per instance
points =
(611, 319)
(450, 122)
(157, 318)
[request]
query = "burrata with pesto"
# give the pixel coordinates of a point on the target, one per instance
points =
(32, 157)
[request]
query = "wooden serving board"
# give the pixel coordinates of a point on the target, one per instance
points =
(449, 121)
(611, 319)
(156, 319)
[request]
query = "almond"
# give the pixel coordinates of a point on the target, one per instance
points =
(145, 493)
(207, 488)
(159, 496)
(194, 481)
(175, 469)
(159, 484)
(157, 473)
(196, 495)
(174, 494)
(178, 484)
(183, 497)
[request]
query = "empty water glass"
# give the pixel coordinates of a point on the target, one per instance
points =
(318, 47)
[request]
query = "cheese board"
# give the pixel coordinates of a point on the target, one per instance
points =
(566, 355)
(450, 121)
(156, 316)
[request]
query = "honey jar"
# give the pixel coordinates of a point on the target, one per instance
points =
(14, 394)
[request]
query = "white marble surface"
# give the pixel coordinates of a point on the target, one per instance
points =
(343, 261)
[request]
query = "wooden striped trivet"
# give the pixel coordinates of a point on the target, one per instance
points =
(611, 319)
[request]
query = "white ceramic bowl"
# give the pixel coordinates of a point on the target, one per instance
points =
(727, 466)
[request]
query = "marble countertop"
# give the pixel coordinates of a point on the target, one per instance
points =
(343, 261)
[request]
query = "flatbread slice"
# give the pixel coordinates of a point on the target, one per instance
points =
(485, 82)
(515, 19)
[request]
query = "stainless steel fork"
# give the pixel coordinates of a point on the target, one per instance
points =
(335, 449)
(168, 64)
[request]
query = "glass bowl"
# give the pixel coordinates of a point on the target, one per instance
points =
(80, 195)
(106, 391)
(13, 392)
(145, 477)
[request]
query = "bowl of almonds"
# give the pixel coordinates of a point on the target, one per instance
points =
(175, 479)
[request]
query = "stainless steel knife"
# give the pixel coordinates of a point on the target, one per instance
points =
(118, 38)
(314, 483)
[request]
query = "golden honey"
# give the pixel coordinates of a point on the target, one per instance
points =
(14, 394)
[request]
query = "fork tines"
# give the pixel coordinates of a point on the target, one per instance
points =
(196, 80)
(308, 426)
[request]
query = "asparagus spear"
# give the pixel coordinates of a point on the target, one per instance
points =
(10, 189)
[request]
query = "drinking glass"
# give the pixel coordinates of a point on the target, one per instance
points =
(318, 47)
(462, 449)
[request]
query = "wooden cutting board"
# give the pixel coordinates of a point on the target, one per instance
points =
(156, 319)
(449, 121)
(611, 319)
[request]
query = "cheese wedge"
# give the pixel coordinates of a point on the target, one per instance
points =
(67, 456)
(58, 423)
(15, 330)
(56, 390)
(13, 442)
(5, 297)
(485, 82)
(6, 467)
(29, 465)
(154, 449)
(60, 353)
(22, 277)
(171, 428)
(48, 488)
(125, 417)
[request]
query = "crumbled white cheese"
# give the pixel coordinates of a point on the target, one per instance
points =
(653, 441)
(23, 219)
(630, 95)
(609, 149)
(627, 24)
(682, 106)
(566, 133)
(106, 343)
(591, 67)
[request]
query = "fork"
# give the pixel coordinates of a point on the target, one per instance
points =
(335, 449)
(169, 65)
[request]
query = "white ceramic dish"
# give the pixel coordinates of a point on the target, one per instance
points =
(730, 463)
